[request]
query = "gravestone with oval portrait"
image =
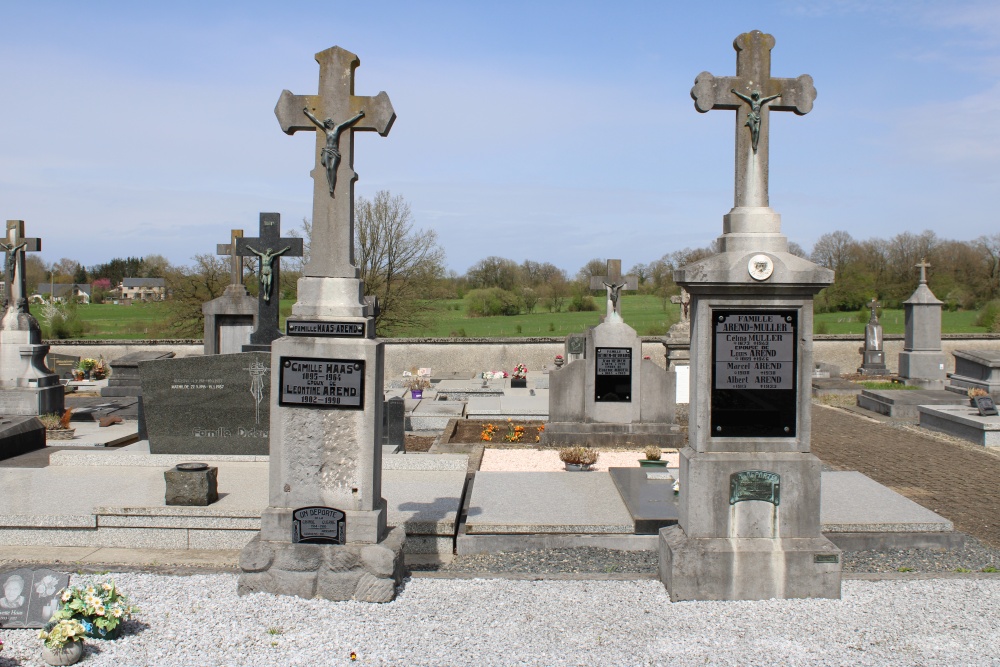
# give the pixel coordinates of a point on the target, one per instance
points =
(28, 598)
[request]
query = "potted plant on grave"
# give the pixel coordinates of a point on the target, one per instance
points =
(100, 370)
(87, 366)
(99, 608)
(578, 459)
(56, 427)
(520, 377)
(652, 459)
(416, 384)
(974, 393)
(63, 641)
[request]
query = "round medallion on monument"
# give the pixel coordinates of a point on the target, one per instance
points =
(760, 267)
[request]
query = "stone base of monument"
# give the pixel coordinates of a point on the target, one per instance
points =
(963, 422)
(361, 572)
(631, 436)
(20, 435)
(923, 369)
(32, 401)
(747, 568)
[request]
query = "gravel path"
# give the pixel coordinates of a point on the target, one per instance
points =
(200, 621)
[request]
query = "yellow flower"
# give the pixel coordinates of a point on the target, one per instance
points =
(66, 595)
(116, 612)
(106, 586)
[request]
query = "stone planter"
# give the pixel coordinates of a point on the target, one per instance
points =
(416, 393)
(70, 654)
(650, 463)
(60, 434)
(579, 467)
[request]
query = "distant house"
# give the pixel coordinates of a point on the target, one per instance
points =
(61, 292)
(142, 289)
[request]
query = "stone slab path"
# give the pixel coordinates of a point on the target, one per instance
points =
(958, 481)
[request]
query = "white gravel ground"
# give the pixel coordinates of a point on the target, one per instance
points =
(199, 620)
(534, 460)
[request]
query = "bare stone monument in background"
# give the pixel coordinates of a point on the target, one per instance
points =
(749, 501)
(873, 352)
(230, 319)
(324, 531)
(921, 362)
(28, 386)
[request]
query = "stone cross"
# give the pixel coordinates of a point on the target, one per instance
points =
(753, 94)
(923, 266)
(14, 246)
(614, 283)
(235, 261)
(873, 304)
(269, 247)
(342, 113)
(684, 300)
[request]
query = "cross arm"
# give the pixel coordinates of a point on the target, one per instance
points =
(797, 94)
(598, 282)
(379, 114)
(294, 246)
(711, 92)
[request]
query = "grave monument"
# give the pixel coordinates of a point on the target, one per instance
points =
(873, 354)
(230, 319)
(749, 501)
(611, 396)
(324, 531)
(269, 247)
(921, 362)
(27, 386)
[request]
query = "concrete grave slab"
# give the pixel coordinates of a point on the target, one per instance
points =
(852, 502)
(961, 421)
(434, 415)
(902, 404)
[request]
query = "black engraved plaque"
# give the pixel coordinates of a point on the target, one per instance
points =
(325, 329)
(985, 406)
(327, 383)
(755, 485)
(318, 525)
(754, 373)
(613, 374)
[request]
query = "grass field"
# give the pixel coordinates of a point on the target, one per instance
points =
(447, 318)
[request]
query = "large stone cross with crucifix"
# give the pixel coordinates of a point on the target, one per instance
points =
(753, 94)
(269, 248)
(235, 261)
(614, 283)
(14, 246)
(335, 114)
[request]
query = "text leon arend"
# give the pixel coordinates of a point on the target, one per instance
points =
(239, 432)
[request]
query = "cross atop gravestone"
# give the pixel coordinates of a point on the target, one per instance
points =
(923, 266)
(873, 305)
(15, 245)
(614, 283)
(269, 248)
(335, 114)
(235, 261)
(752, 93)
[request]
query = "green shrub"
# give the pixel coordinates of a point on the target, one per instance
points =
(582, 303)
(491, 302)
(989, 317)
(822, 328)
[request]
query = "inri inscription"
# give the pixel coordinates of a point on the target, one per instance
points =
(331, 383)
(753, 373)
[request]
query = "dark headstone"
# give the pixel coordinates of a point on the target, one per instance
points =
(61, 364)
(208, 405)
(192, 484)
(395, 418)
(19, 435)
(124, 379)
(28, 598)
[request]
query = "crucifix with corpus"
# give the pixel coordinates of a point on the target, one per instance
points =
(14, 246)
(614, 283)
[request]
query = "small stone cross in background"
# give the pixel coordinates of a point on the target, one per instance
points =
(269, 247)
(614, 283)
(235, 261)
(923, 266)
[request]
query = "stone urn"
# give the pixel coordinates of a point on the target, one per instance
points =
(579, 467)
(69, 654)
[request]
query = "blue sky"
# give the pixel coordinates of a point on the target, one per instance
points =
(551, 131)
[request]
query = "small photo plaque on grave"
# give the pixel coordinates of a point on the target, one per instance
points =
(985, 406)
(28, 598)
(754, 377)
(328, 383)
(318, 525)
(613, 374)
(325, 329)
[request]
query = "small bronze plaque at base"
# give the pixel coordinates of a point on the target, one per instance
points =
(318, 525)
(826, 558)
(755, 485)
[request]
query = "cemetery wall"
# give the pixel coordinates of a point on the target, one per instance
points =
(450, 354)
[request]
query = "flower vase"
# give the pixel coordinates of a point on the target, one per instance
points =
(69, 654)
(578, 467)
(416, 393)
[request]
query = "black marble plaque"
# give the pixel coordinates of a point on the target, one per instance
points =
(325, 329)
(318, 525)
(219, 404)
(755, 485)
(985, 406)
(29, 597)
(327, 383)
(613, 374)
(754, 376)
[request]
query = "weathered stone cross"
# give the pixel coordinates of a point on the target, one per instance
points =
(614, 283)
(269, 247)
(873, 305)
(752, 93)
(15, 246)
(342, 113)
(235, 261)
(923, 266)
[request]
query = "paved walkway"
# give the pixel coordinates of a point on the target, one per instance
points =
(958, 481)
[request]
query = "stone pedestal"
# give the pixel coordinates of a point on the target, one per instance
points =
(229, 321)
(612, 396)
(873, 363)
(922, 362)
(27, 386)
